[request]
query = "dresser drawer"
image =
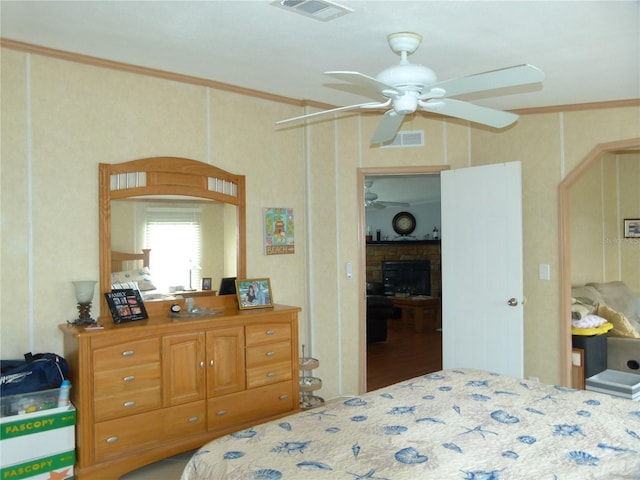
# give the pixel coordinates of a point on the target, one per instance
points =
(269, 354)
(128, 379)
(123, 404)
(134, 433)
(127, 354)
(267, 333)
(248, 406)
(266, 374)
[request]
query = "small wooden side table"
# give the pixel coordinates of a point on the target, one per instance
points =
(413, 311)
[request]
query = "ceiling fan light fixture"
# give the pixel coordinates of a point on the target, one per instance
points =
(404, 42)
(409, 76)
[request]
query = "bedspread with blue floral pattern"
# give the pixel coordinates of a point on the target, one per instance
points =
(453, 424)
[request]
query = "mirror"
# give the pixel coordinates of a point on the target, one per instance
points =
(131, 191)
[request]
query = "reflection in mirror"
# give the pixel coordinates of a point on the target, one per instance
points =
(183, 219)
(188, 240)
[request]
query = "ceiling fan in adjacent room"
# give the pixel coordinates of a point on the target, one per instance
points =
(371, 198)
(408, 87)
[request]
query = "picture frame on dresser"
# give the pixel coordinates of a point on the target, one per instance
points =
(126, 305)
(254, 293)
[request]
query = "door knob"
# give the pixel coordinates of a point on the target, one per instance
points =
(512, 302)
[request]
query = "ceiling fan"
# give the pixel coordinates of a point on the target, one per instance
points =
(409, 86)
(371, 198)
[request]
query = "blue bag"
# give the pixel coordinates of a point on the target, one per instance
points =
(41, 371)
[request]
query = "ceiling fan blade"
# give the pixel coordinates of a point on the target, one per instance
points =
(388, 127)
(504, 77)
(394, 204)
(363, 80)
(338, 109)
(469, 111)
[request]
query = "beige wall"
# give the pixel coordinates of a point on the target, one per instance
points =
(60, 119)
(601, 199)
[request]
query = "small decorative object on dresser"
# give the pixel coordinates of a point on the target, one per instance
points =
(206, 283)
(254, 293)
(84, 296)
(126, 305)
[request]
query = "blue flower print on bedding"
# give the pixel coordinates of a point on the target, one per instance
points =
(453, 447)
(401, 410)
(510, 454)
(430, 420)
(534, 410)
(285, 426)
(593, 403)
(504, 417)
(332, 430)
(434, 376)
(604, 446)
(583, 413)
(568, 430)
(482, 475)
(445, 388)
(233, 455)
(313, 466)
(583, 458)
(355, 402)
(359, 418)
(527, 439)
(635, 414)
(410, 456)
(394, 429)
(480, 398)
(288, 447)
(266, 474)
(477, 383)
(633, 434)
(249, 433)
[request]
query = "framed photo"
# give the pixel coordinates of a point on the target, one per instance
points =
(126, 305)
(632, 228)
(206, 283)
(254, 293)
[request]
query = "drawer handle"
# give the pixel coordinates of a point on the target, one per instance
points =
(221, 413)
(283, 397)
(112, 439)
(129, 404)
(271, 374)
(270, 354)
(194, 419)
(270, 332)
(130, 378)
(127, 353)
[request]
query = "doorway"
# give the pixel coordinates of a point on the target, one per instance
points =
(565, 244)
(371, 173)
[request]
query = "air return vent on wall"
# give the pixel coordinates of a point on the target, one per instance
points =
(319, 9)
(407, 138)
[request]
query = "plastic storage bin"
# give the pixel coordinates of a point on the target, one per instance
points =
(613, 382)
(29, 402)
(39, 445)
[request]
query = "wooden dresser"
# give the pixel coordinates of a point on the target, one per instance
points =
(150, 389)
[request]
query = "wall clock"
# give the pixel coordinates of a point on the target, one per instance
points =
(404, 223)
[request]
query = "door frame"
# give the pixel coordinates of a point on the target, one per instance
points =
(565, 244)
(362, 251)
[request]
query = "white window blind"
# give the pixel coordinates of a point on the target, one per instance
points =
(174, 237)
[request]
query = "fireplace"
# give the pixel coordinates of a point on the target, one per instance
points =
(406, 277)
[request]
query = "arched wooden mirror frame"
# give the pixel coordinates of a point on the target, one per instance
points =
(565, 244)
(165, 176)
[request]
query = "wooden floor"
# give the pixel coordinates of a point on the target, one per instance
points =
(405, 354)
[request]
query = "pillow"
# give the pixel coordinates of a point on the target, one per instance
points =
(584, 292)
(622, 327)
(618, 296)
(142, 276)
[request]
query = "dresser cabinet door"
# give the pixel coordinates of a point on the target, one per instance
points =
(183, 368)
(225, 361)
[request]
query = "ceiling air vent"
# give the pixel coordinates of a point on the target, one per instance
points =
(407, 138)
(319, 9)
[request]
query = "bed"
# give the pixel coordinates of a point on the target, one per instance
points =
(132, 270)
(452, 424)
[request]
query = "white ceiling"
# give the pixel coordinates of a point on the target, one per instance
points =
(589, 50)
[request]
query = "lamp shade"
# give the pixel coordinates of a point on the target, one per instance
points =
(84, 290)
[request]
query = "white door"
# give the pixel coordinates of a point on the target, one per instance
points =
(482, 324)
